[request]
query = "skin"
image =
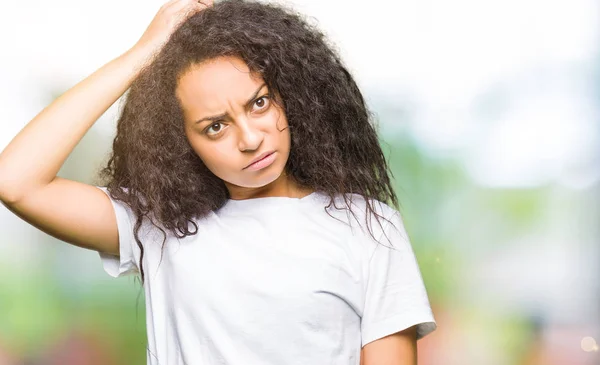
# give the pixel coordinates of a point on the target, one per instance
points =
(249, 123)
(397, 349)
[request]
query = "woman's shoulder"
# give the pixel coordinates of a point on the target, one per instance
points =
(371, 215)
(360, 204)
(149, 230)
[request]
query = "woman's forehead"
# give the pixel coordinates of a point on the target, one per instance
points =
(213, 85)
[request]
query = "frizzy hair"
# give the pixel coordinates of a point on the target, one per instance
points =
(334, 144)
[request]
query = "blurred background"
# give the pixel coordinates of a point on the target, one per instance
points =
(488, 111)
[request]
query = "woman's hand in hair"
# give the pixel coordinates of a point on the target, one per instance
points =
(166, 21)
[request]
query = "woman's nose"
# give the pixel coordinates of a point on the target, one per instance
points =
(250, 137)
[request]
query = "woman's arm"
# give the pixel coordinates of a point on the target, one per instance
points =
(68, 210)
(74, 212)
(33, 158)
(397, 349)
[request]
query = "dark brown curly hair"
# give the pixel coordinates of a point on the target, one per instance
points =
(334, 144)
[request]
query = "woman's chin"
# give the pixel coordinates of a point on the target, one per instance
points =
(258, 181)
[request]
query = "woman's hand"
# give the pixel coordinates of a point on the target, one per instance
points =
(169, 17)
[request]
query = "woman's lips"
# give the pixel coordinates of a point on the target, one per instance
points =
(262, 163)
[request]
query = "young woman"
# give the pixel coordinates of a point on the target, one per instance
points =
(246, 187)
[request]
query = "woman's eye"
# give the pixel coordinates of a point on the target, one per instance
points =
(262, 102)
(214, 128)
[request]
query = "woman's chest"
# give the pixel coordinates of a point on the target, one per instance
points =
(267, 273)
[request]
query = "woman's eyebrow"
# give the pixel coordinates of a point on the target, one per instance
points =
(221, 116)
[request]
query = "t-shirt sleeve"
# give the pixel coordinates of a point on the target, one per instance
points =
(127, 261)
(395, 296)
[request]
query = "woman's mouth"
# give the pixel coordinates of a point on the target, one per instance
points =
(261, 162)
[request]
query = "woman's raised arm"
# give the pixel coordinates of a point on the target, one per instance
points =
(74, 212)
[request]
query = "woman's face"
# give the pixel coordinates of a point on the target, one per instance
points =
(231, 120)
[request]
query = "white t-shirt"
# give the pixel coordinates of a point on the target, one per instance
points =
(272, 281)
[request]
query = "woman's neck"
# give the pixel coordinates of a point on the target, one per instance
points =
(283, 186)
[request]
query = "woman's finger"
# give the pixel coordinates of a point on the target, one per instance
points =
(175, 6)
(169, 4)
(199, 5)
(190, 5)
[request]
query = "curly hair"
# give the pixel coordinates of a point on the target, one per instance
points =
(334, 145)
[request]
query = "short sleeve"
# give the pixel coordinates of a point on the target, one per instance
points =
(127, 261)
(395, 295)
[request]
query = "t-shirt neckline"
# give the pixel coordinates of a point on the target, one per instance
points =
(273, 199)
(273, 203)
